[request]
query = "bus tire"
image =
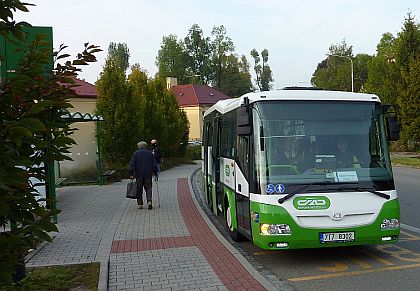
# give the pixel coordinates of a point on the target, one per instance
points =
(234, 234)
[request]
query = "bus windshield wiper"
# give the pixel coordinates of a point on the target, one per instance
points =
(370, 190)
(297, 191)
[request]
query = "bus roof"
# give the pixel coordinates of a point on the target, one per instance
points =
(227, 105)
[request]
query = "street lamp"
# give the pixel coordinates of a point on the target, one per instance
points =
(351, 62)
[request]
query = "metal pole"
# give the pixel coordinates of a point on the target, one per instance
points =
(352, 78)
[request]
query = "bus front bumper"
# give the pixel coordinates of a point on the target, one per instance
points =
(301, 237)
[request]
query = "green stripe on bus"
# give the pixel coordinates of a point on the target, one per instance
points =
(301, 237)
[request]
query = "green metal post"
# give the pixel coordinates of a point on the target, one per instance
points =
(52, 190)
(50, 193)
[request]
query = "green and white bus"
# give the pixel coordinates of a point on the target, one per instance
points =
(272, 166)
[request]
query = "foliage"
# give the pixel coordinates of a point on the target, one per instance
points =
(334, 72)
(74, 277)
(33, 134)
(137, 108)
(408, 100)
(383, 71)
(158, 114)
(361, 64)
(407, 44)
(198, 49)
(118, 130)
(119, 54)
(7, 24)
(392, 74)
(211, 60)
(409, 106)
(172, 59)
(194, 152)
(263, 72)
(222, 46)
(237, 79)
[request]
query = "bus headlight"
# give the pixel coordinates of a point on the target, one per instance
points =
(273, 229)
(388, 224)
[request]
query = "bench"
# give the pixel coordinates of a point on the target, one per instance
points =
(108, 173)
(60, 181)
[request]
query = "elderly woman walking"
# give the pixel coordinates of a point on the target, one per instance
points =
(142, 167)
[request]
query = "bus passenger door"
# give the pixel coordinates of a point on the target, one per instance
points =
(242, 173)
(207, 146)
(219, 166)
(217, 207)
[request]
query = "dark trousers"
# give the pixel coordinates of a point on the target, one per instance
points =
(146, 183)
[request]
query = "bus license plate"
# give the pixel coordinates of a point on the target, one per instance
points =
(337, 237)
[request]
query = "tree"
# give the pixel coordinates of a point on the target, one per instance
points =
(199, 52)
(409, 106)
(32, 134)
(264, 76)
(383, 73)
(213, 61)
(119, 54)
(334, 73)
(221, 46)
(407, 44)
(172, 59)
(408, 99)
(114, 103)
(361, 63)
(246, 82)
(158, 113)
(237, 79)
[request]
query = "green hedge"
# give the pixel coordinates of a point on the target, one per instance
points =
(193, 152)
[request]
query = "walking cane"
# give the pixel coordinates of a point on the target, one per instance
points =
(157, 191)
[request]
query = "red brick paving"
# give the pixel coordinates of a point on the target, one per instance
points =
(232, 274)
(138, 245)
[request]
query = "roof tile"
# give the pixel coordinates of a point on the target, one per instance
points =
(85, 89)
(193, 95)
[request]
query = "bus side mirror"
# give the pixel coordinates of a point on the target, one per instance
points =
(392, 124)
(243, 119)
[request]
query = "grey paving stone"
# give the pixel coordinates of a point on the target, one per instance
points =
(93, 217)
(185, 276)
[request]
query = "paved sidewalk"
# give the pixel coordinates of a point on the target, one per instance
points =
(171, 247)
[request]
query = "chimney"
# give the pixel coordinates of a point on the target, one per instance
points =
(170, 82)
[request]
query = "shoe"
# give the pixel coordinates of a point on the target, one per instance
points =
(140, 206)
(149, 205)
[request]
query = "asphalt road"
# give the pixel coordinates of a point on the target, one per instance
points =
(381, 267)
(407, 182)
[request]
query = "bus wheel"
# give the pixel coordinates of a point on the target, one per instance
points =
(234, 234)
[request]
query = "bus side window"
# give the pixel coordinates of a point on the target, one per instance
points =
(243, 154)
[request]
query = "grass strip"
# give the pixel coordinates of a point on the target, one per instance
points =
(54, 278)
(406, 161)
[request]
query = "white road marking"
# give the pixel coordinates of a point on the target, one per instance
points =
(410, 228)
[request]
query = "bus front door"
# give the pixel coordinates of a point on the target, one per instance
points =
(242, 187)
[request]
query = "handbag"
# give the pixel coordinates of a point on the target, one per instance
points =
(131, 190)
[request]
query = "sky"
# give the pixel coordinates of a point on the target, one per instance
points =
(297, 34)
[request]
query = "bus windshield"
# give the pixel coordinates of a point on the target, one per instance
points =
(323, 143)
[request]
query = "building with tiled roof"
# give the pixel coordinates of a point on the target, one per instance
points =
(194, 100)
(85, 89)
(83, 153)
